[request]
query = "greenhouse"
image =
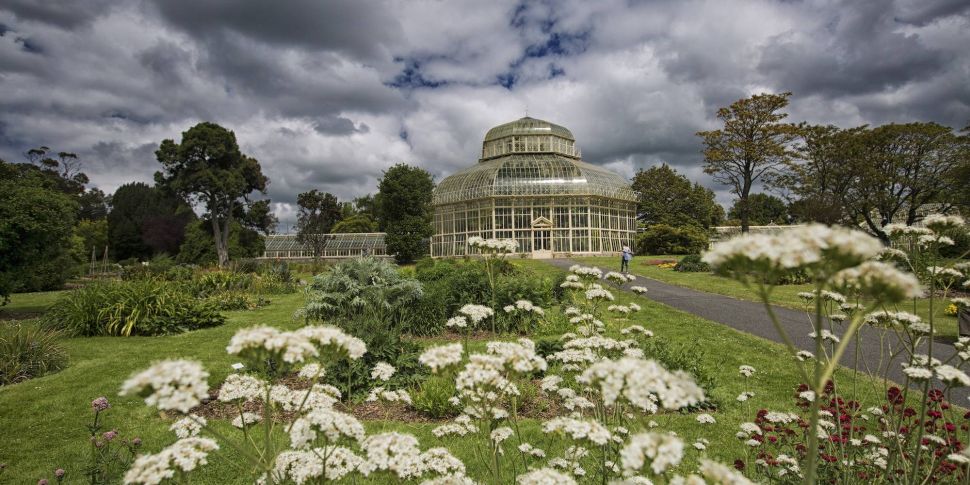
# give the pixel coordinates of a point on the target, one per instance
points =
(350, 245)
(531, 185)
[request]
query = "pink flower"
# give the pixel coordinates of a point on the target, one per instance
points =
(100, 404)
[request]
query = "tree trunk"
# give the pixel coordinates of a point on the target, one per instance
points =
(220, 233)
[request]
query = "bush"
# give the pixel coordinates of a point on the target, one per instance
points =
(384, 344)
(692, 264)
(27, 351)
(664, 239)
(246, 266)
(146, 307)
(361, 287)
(433, 398)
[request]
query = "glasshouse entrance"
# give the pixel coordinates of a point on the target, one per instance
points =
(541, 238)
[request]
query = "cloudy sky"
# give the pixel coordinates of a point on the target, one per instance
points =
(327, 94)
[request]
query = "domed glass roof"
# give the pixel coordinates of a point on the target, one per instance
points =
(522, 159)
(528, 126)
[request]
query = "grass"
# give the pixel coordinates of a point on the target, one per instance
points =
(44, 419)
(786, 296)
(28, 305)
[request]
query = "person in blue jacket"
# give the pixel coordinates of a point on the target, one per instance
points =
(625, 259)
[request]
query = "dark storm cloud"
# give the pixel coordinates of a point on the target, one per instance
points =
(351, 26)
(853, 51)
(66, 14)
(322, 91)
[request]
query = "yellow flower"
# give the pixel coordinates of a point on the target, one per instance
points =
(951, 309)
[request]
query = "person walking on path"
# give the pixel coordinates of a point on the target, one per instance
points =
(625, 259)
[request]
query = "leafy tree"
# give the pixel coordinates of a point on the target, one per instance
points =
(407, 238)
(92, 205)
(817, 178)
(357, 223)
(763, 209)
(198, 246)
(208, 168)
(66, 169)
(403, 206)
(366, 205)
(318, 213)
(897, 168)
(752, 144)
(90, 236)
(36, 225)
(145, 220)
(667, 197)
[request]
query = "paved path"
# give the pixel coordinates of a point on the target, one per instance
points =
(751, 317)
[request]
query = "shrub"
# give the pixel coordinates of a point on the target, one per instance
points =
(664, 239)
(692, 264)
(130, 308)
(27, 351)
(384, 344)
(433, 398)
(509, 289)
(361, 287)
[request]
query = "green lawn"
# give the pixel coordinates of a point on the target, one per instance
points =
(44, 419)
(27, 305)
(786, 295)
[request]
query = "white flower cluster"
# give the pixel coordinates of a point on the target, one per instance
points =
(330, 423)
(664, 451)
(242, 387)
(303, 466)
(261, 342)
(184, 455)
(951, 376)
(636, 329)
(441, 356)
(545, 476)
(640, 290)
(457, 322)
(619, 278)
(476, 313)
(246, 419)
(586, 272)
(495, 246)
(518, 356)
(881, 280)
(382, 371)
(621, 309)
(643, 383)
(746, 370)
(705, 418)
(579, 429)
(525, 306)
(322, 396)
(188, 426)
(460, 426)
(170, 385)
(399, 454)
(572, 282)
(380, 394)
(796, 248)
(942, 222)
(598, 293)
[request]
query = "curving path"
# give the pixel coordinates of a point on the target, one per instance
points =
(750, 317)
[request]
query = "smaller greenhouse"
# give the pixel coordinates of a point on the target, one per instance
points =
(338, 246)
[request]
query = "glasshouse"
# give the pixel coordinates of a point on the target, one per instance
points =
(531, 185)
(285, 246)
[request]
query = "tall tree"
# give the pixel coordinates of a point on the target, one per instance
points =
(36, 227)
(763, 209)
(145, 220)
(753, 143)
(208, 168)
(898, 168)
(356, 223)
(319, 212)
(817, 178)
(667, 197)
(403, 206)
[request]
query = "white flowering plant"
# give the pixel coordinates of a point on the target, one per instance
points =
(855, 281)
(324, 444)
